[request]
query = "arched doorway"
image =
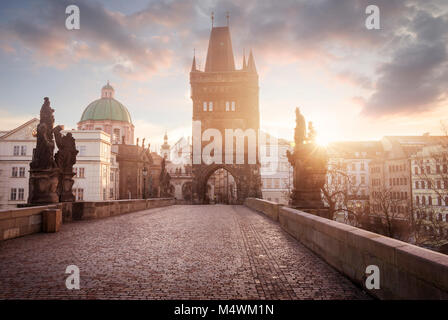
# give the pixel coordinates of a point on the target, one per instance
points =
(221, 187)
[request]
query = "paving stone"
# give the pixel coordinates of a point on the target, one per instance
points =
(177, 252)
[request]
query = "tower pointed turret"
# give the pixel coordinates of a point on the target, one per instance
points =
(193, 65)
(244, 60)
(251, 63)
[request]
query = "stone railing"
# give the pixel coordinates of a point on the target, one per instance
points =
(23, 221)
(87, 210)
(406, 271)
(268, 208)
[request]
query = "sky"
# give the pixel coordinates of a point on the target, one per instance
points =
(351, 82)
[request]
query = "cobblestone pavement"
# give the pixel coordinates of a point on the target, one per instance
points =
(178, 252)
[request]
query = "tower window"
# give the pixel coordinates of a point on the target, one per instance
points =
(227, 106)
(210, 106)
(233, 105)
(205, 106)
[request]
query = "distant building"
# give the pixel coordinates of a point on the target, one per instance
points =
(16, 150)
(276, 185)
(96, 168)
(429, 174)
(180, 169)
(165, 148)
(353, 160)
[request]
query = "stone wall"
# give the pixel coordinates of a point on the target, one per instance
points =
(22, 221)
(101, 209)
(268, 208)
(19, 222)
(406, 271)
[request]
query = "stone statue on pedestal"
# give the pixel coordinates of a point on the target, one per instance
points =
(164, 181)
(65, 159)
(309, 162)
(51, 176)
(44, 173)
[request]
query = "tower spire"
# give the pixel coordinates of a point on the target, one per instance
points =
(228, 17)
(213, 18)
(251, 63)
(193, 65)
(244, 59)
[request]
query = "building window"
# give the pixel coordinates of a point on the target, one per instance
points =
(227, 106)
(210, 106)
(430, 200)
(23, 150)
(233, 105)
(82, 151)
(416, 170)
(22, 172)
(75, 171)
(21, 194)
(416, 185)
(205, 106)
(111, 193)
(362, 166)
(111, 176)
(104, 194)
(80, 194)
(13, 194)
(81, 173)
(14, 172)
(16, 150)
(116, 135)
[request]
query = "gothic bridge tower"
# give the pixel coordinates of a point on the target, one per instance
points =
(225, 98)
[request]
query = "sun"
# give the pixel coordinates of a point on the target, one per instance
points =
(322, 140)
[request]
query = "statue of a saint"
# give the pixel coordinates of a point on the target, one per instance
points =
(66, 155)
(300, 130)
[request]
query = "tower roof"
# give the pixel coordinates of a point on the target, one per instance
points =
(220, 52)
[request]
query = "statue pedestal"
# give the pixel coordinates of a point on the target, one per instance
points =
(43, 186)
(66, 183)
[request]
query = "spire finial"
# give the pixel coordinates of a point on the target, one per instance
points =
(213, 18)
(228, 17)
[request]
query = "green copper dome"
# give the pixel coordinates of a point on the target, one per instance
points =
(106, 109)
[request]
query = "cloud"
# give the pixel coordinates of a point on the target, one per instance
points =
(104, 36)
(416, 77)
(407, 58)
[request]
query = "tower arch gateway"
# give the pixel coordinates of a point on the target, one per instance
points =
(225, 98)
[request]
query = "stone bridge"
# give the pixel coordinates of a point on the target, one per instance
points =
(175, 252)
(258, 251)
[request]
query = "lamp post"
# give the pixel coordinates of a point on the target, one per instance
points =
(145, 173)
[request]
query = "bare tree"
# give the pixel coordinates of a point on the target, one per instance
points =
(390, 208)
(338, 191)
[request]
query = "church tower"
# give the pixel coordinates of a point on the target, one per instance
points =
(225, 98)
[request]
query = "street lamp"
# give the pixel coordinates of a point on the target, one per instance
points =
(145, 173)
